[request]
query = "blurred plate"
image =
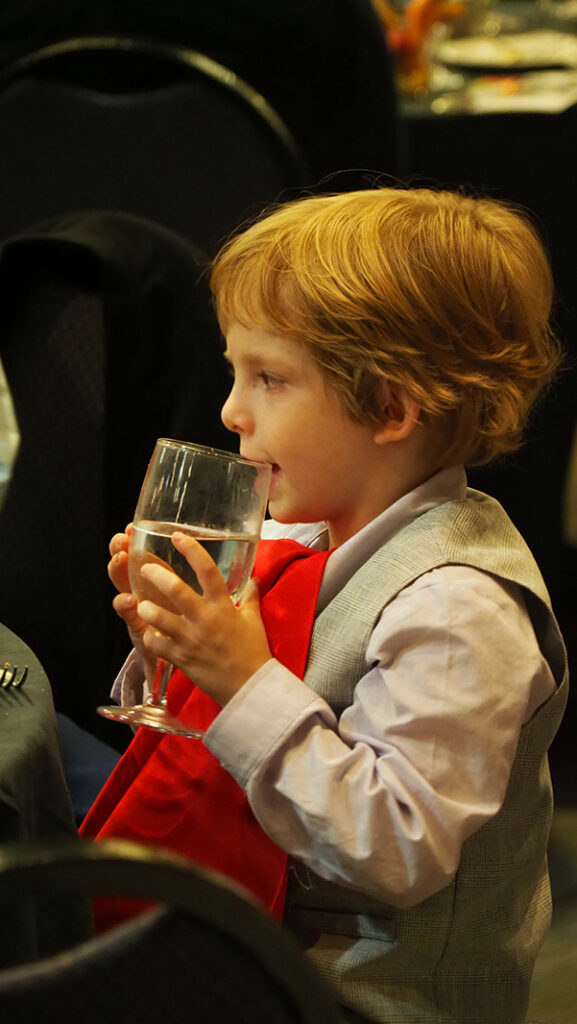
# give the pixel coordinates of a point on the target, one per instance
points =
(525, 50)
(544, 92)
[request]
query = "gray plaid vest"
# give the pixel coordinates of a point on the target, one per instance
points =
(465, 955)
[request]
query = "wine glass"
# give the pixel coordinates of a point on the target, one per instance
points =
(219, 499)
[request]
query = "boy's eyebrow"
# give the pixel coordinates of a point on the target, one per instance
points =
(248, 357)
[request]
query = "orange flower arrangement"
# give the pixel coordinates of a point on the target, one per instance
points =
(408, 33)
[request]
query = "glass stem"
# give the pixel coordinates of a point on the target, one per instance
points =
(160, 684)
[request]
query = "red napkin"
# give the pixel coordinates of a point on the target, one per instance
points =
(170, 791)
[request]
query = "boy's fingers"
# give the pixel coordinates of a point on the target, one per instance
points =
(171, 589)
(163, 626)
(118, 571)
(209, 577)
(118, 543)
(126, 606)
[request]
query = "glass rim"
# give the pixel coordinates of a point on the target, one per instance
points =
(230, 456)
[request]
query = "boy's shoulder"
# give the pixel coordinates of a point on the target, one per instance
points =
(473, 530)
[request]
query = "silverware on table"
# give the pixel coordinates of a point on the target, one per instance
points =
(9, 677)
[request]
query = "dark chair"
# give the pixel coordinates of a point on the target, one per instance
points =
(144, 128)
(209, 955)
(108, 341)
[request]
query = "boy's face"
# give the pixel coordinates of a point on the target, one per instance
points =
(286, 413)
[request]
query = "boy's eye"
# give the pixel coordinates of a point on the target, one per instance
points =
(269, 380)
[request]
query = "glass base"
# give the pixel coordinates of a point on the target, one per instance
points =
(150, 717)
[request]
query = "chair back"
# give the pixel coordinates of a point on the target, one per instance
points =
(211, 955)
(141, 127)
(108, 341)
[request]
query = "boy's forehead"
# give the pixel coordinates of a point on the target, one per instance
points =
(256, 342)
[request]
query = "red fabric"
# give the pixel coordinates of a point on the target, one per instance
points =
(170, 791)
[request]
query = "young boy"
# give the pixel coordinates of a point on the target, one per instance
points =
(379, 342)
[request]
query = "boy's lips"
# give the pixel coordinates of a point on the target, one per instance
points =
(252, 458)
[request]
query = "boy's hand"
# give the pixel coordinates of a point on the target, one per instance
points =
(118, 564)
(216, 644)
(125, 603)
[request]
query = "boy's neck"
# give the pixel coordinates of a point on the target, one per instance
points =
(401, 468)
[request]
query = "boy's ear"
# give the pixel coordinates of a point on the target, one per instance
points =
(400, 416)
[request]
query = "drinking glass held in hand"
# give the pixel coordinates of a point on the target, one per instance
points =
(219, 499)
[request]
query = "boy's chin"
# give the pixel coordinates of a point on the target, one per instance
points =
(282, 517)
(286, 515)
(281, 513)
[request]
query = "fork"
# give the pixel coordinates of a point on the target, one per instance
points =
(9, 678)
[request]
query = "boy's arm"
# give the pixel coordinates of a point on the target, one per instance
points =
(384, 798)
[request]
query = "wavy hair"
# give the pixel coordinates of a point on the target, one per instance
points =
(443, 295)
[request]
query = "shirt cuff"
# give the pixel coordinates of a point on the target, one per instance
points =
(267, 709)
(130, 686)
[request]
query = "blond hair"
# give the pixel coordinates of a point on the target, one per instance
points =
(445, 296)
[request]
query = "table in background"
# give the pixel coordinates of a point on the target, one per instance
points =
(34, 806)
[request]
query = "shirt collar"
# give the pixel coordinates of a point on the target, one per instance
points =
(447, 484)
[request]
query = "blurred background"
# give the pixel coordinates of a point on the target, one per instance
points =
(134, 138)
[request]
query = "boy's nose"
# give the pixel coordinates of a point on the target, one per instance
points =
(232, 417)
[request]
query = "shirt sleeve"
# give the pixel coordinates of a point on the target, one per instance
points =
(383, 798)
(130, 686)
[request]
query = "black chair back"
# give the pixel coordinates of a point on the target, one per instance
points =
(140, 127)
(211, 956)
(108, 341)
